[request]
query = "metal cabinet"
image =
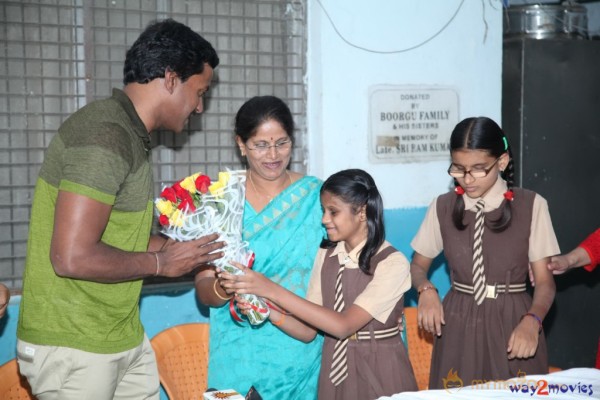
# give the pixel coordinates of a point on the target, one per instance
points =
(551, 114)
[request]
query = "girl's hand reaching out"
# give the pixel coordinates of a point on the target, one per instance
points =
(250, 282)
(242, 305)
(245, 308)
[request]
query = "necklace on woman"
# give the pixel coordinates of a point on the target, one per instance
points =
(270, 198)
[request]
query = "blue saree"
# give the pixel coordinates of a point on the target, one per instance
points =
(285, 236)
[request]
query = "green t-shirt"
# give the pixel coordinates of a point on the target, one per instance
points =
(102, 152)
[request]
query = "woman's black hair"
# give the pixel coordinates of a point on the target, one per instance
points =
(254, 112)
(357, 188)
(482, 133)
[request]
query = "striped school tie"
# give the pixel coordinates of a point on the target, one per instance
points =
(478, 272)
(339, 366)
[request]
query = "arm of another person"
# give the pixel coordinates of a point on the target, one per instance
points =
(78, 252)
(4, 298)
(587, 255)
(208, 289)
(340, 325)
(523, 341)
(283, 320)
(560, 264)
(430, 313)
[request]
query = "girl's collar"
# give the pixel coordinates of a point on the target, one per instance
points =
(493, 198)
(342, 254)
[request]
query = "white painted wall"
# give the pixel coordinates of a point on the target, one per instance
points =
(466, 55)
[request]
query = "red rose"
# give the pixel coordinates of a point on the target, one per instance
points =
(179, 191)
(187, 203)
(202, 183)
(163, 220)
(169, 194)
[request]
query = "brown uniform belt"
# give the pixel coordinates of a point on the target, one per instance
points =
(491, 291)
(381, 334)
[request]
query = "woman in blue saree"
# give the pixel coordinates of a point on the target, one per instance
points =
(282, 223)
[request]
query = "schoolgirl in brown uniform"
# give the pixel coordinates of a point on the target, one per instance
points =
(488, 327)
(355, 296)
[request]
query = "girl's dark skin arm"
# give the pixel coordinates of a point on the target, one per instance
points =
(524, 339)
(430, 313)
(340, 325)
(286, 322)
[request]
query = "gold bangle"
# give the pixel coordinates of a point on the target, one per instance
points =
(217, 292)
(278, 323)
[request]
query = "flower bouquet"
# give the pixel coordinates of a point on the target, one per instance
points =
(196, 207)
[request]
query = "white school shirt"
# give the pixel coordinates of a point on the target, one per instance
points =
(542, 239)
(390, 280)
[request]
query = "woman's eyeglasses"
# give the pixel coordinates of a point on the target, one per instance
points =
(282, 146)
(474, 172)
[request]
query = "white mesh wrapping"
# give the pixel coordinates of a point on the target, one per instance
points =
(222, 213)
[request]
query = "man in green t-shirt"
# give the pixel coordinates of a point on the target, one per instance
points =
(79, 330)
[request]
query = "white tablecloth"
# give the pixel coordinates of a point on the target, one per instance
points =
(575, 383)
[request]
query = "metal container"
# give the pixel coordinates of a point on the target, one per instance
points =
(544, 21)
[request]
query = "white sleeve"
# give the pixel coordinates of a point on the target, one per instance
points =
(313, 292)
(390, 281)
(542, 239)
(428, 240)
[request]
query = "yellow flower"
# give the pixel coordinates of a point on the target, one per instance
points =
(224, 178)
(165, 207)
(216, 188)
(189, 183)
(176, 218)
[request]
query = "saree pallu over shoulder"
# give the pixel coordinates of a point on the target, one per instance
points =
(299, 196)
(285, 237)
(286, 234)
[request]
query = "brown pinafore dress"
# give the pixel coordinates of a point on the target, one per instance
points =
(472, 348)
(376, 367)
